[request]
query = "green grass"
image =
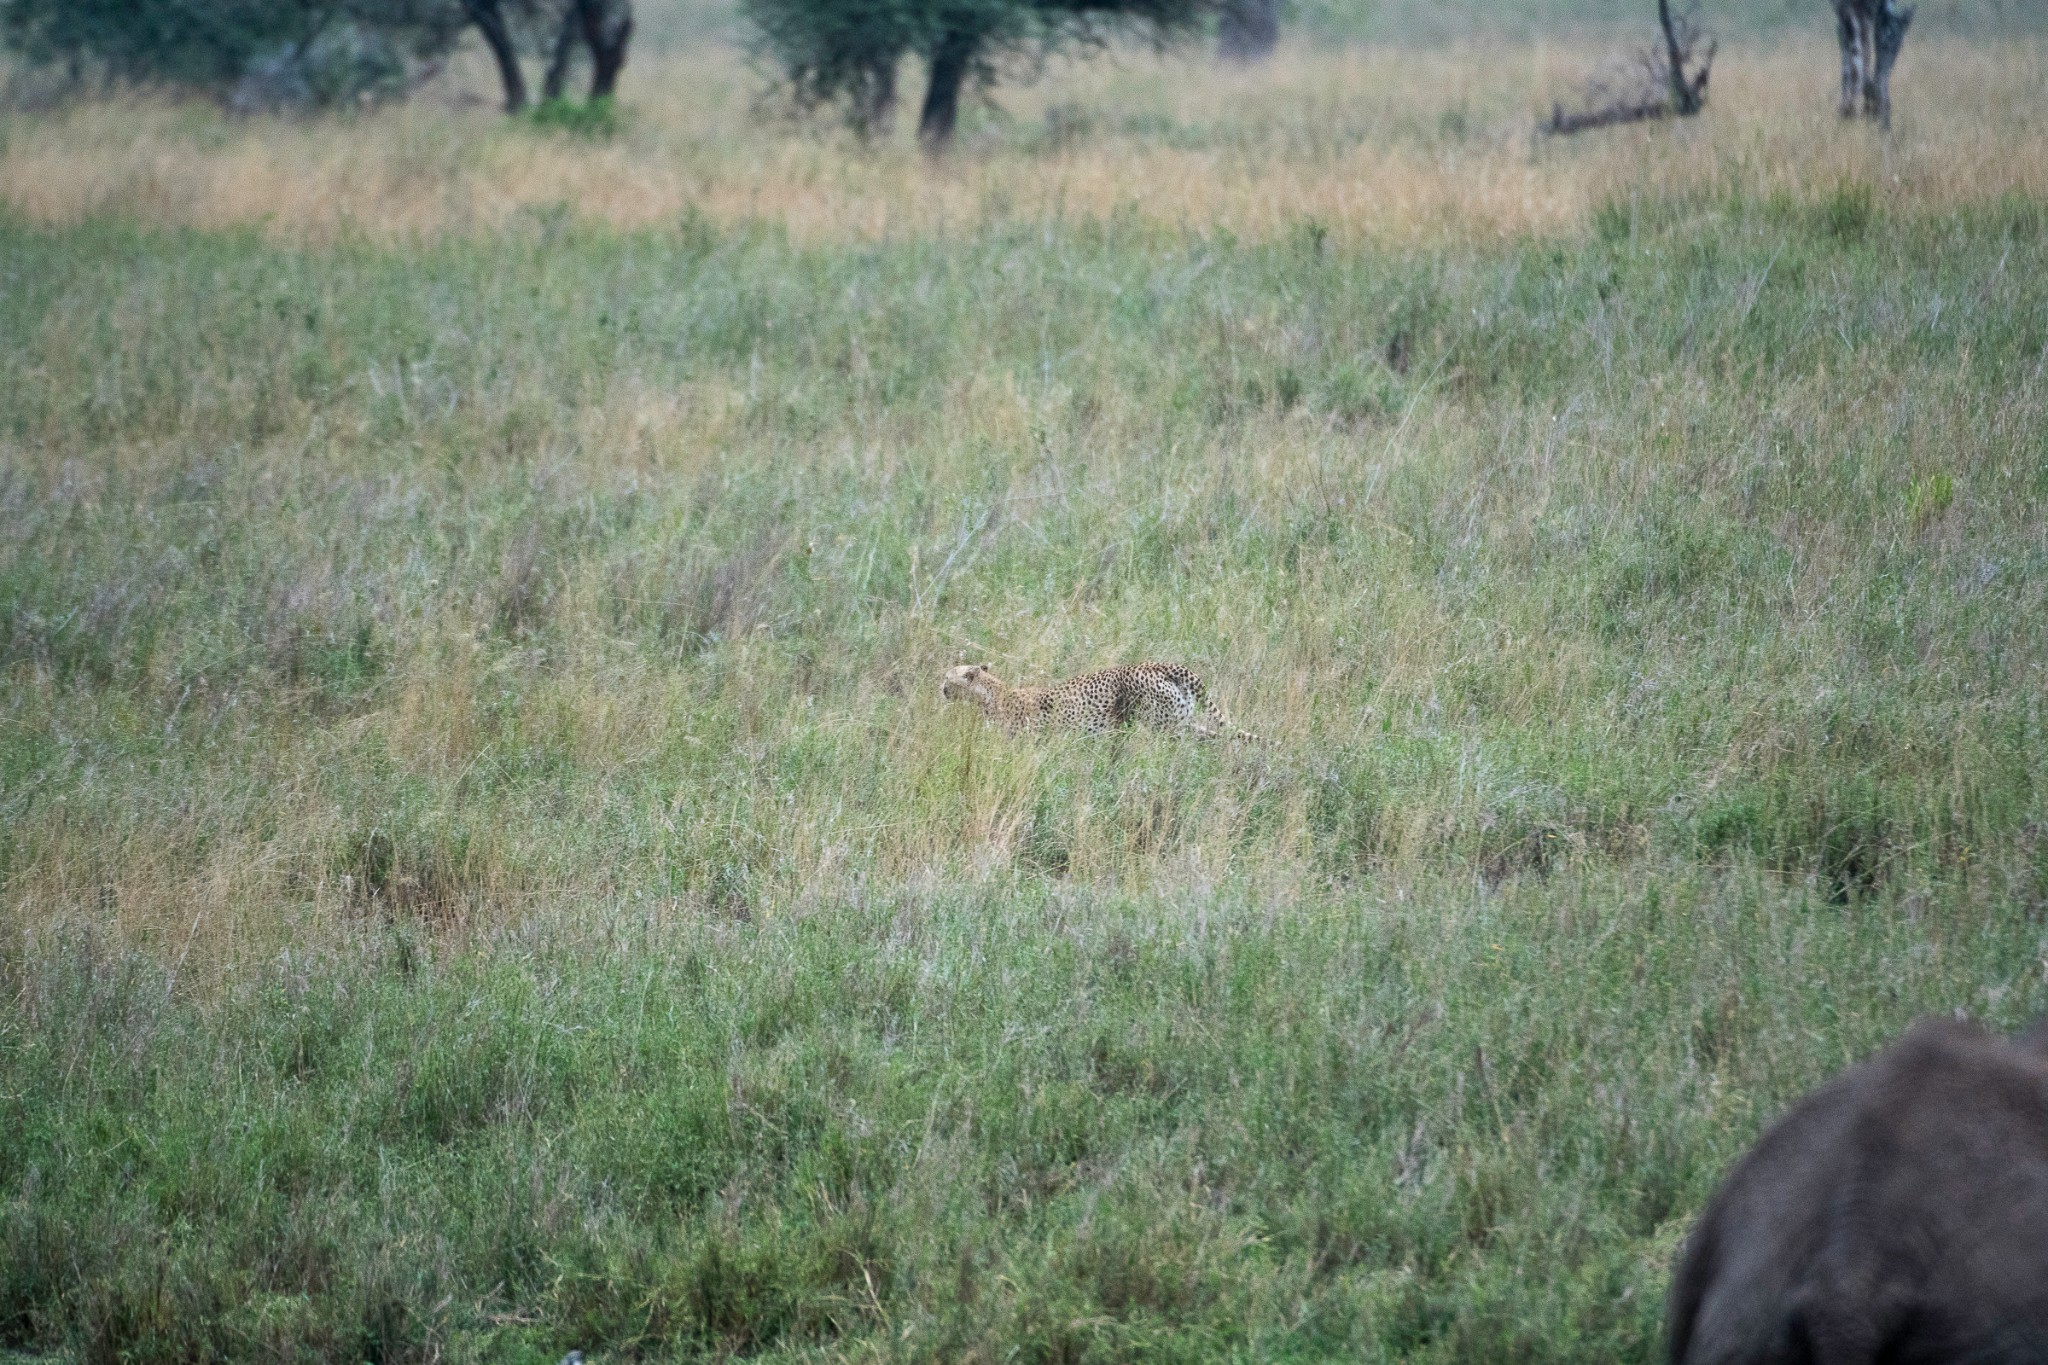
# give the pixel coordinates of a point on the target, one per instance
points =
(486, 869)
(596, 118)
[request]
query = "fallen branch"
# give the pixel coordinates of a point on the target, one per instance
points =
(1651, 85)
(1579, 121)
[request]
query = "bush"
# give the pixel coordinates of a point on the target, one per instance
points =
(841, 52)
(266, 52)
(345, 64)
(845, 52)
(597, 118)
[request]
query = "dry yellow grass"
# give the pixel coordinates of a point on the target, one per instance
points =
(1373, 145)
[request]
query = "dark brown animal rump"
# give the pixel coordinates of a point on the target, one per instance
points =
(1899, 1214)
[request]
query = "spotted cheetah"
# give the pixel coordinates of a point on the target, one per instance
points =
(1164, 696)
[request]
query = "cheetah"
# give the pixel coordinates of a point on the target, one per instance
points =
(1164, 696)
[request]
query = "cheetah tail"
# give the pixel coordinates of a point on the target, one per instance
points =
(1225, 728)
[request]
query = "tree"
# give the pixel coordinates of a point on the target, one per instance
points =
(1247, 30)
(846, 52)
(508, 26)
(841, 52)
(496, 31)
(1688, 89)
(318, 51)
(266, 53)
(605, 26)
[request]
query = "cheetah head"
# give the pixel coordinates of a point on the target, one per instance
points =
(967, 682)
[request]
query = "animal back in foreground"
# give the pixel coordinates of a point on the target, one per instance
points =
(1164, 696)
(1897, 1214)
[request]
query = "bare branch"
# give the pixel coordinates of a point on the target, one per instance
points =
(1648, 84)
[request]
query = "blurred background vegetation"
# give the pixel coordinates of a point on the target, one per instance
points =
(325, 52)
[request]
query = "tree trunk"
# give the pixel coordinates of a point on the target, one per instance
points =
(1849, 35)
(1248, 30)
(1684, 99)
(564, 53)
(1890, 37)
(608, 28)
(949, 65)
(1871, 32)
(490, 21)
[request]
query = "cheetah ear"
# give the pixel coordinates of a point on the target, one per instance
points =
(979, 669)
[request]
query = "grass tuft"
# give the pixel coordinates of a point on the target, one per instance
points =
(596, 118)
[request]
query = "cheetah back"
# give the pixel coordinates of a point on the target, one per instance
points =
(1162, 696)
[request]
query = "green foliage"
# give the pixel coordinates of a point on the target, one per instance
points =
(845, 53)
(1847, 212)
(324, 51)
(842, 53)
(141, 40)
(1614, 222)
(1323, 1135)
(593, 118)
(1928, 497)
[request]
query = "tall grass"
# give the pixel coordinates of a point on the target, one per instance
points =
(1387, 146)
(484, 867)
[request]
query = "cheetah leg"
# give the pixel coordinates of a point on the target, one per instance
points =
(1188, 707)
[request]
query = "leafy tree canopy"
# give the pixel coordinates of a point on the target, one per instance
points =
(282, 50)
(845, 53)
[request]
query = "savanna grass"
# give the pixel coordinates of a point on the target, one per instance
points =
(485, 868)
(1391, 146)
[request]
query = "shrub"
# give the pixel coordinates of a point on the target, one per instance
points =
(267, 52)
(845, 52)
(597, 118)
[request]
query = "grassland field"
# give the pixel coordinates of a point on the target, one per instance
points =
(485, 869)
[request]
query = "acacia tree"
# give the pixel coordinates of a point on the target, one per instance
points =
(841, 53)
(846, 52)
